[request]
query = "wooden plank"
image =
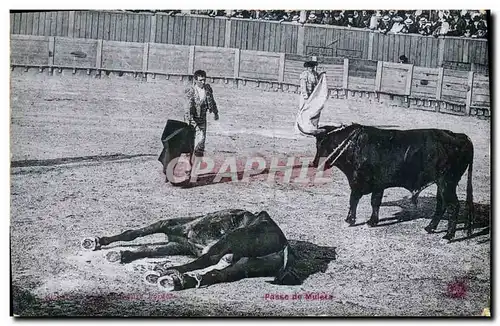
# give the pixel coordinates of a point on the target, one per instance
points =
(281, 74)
(98, 63)
(17, 23)
(456, 73)
(147, 27)
(130, 27)
(250, 39)
(45, 23)
(192, 51)
(456, 80)
(11, 16)
(161, 36)
(222, 33)
(390, 48)
(272, 37)
(112, 26)
(59, 23)
(397, 53)
(480, 98)
(234, 32)
(100, 25)
(378, 77)
(469, 92)
(34, 25)
(210, 32)
(71, 24)
(428, 56)
(409, 78)
(241, 35)
(52, 42)
(425, 71)
(170, 30)
(53, 23)
(153, 29)
(237, 63)
(106, 26)
(140, 28)
(145, 57)
(27, 23)
(300, 41)
(480, 91)
(95, 24)
(83, 24)
(345, 77)
(453, 93)
(124, 23)
(199, 31)
(24, 23)
(117, 30)
(227, 34)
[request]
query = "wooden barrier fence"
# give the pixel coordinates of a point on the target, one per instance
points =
(291, 38)
(440, 89)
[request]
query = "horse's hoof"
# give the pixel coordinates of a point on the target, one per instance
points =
(448, 237)
(113, 256)
(90, 243)
(350, 222)
(151, 277)
(168, 282)
(428, 229)
(371, 223)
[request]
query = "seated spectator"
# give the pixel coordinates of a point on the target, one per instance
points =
(424, 27)
(375, 19)
(311, 19)
(385, 25)
(350, 22)
(327, 18)
(397, 24)
(338, 20)
(364, 19)
(410, 26)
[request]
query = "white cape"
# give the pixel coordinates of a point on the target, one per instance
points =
(310, 110)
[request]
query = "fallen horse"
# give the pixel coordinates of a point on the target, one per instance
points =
(230, 245)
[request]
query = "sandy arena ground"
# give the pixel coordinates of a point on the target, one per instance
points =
(84, 154)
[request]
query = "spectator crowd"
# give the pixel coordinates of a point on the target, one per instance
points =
(465, 23)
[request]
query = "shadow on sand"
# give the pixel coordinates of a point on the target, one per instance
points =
(425, 209)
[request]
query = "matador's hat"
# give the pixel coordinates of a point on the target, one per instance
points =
(311, 63)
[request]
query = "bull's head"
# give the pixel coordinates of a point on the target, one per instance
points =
(331, 142)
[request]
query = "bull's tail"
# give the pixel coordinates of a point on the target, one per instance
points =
(470, 202)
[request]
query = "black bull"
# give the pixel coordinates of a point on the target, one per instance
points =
(375, 159)
(229, 245)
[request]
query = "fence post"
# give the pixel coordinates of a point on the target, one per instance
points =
(71, 24)
(281, 72)
(152, 35)
(371, 35)
(191, 60)
(237, 63)
(442, 41)
(98, 59)
(300, 40)
(227, 36)
(470, 84)
(439, 88)
(145, 58)
(378, 77)
(345, 77)
(52, 46)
